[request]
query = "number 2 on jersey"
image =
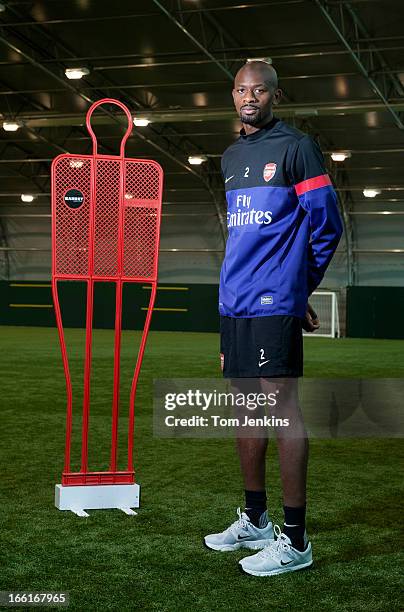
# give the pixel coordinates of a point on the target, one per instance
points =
(247, 170)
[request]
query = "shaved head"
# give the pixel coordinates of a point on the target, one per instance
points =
(263, 70)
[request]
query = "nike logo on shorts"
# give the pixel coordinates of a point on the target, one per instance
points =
(261, 363)
(229, 178)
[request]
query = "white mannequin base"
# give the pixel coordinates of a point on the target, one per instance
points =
(77, 499)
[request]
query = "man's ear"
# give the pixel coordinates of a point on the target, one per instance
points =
(278, 93)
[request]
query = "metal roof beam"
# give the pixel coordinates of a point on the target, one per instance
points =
(207, 26)
(33, 160)
(312, 109)
(347, 25)
(212, 9)
(126, 86)
(35, 59)
(145, 63)
(176, 151)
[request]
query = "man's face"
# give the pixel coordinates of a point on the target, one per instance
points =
(253, 96)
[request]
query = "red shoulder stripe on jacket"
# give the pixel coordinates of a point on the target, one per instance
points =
(313, 183)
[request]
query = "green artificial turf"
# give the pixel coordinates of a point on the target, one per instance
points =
(156, 561)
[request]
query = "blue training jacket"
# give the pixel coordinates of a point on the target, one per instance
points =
(283, 222)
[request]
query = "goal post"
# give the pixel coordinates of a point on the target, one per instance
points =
(325, 304)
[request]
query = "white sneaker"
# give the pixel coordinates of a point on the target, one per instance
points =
(278, 557)
(242, 534)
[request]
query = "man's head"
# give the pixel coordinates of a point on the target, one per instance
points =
(255, 92)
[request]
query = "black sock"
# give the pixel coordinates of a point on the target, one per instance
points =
(255, 506)
(295, 525)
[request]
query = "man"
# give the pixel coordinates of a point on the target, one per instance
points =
(284, 227)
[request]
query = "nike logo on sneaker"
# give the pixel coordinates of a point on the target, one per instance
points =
(229, 178)
(239, 537)
(286, 563)
(261, 363)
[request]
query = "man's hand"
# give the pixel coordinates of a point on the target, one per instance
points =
(310, 322)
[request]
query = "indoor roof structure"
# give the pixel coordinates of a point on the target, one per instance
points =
(172, 62)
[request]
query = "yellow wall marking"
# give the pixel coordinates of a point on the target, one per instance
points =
(168, 288)
(27, 285)
(31, 305)
(168, 309)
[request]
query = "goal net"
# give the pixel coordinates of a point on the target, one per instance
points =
(325, 304)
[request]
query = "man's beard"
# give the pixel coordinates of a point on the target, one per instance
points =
(251, 119)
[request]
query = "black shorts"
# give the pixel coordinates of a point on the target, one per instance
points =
(263, 347)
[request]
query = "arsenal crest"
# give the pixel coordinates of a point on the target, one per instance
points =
(269, 171)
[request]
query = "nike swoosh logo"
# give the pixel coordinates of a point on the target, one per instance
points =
(261, 363)
(243, 537)
(229, 178)
(287, 562)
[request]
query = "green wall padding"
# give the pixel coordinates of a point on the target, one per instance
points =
(375, 312)
(372, 312)
(183, 307)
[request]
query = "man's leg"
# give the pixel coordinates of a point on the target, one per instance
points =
(293, 448)
(291, 550)
(252, 453)
(253, 530)
(252, 443)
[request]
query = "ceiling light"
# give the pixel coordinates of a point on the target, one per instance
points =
(340, 156)
(2, 7)
(370, 192)
(76, 73)
(267, 60)
(11, 126)
(141, 121)
(76, 163)
(197, 160)
(27, 197)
